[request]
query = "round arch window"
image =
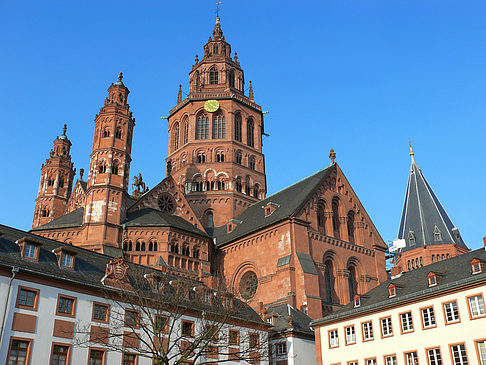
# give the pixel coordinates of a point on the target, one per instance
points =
(166, 204)
(248, 285)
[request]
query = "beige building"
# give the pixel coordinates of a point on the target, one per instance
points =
(432, 315)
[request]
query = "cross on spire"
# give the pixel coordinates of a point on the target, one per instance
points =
(411, 153)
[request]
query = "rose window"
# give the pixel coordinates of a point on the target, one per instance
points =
(248, 285)
(166, 204)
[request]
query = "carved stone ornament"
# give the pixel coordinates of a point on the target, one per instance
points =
(117, 269)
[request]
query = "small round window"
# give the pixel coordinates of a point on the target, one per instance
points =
(166, 204)
(248, 285)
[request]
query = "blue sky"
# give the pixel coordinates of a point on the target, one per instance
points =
(359, 76)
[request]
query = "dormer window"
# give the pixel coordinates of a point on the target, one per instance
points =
(411, 238)
(270, 208)
(357, 301)
(432, 278)
(437, 234)
(66, 260)
(392, 291)
(65, 257)
(29, 249)
(476, 266)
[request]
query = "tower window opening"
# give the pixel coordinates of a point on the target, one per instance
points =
(321, 217)
(256, 189)
(238, 185)
(197, 186)
(142, 246)
(213, 76)
(175, 137)
(335, 218)
(437, 234)
(185, 131)
(195, 253)
(219, 127)
(202, 127)
(215, 49)
(150, 246)
(350, 223)
(220, 157)
(201, 158)
(220, 185)
(115, 168)
(102, 168)
(137, 246)
(45, 212)
(232, 78)
(238, 127)
(249, 133)
(247, 185)
(106, 132)
(209, 220)
(61, 183)
(252, 163)
(118, 133)
(50, 182)
(328, 280)
(238, 157)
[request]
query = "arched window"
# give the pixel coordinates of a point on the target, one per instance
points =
(238, 184)
(174, 248)
(249, 133)
(150, 246)
(238, 127)
(155, 246)
(350, 223)
(252, 163)
(202, 127)
(213, 76)
(185, 131)
(209, 220)
(321, 217)
(142, 246)
(60, 183)
(197, 185)
(102, 168)
(220, 185)
(328, 280)
(220, 156)
(335, 218)
(115, 167)
(195, 252)
(352, 283)
(215, 49)
(247, 185)
(175, 136)
(232, 78)
(106, 132)
(219, 126)
(238, 157)
(118, 133)
(45, 212)
(433, 258)
(137, 246)
(256, 189)
(130, 246)
(125, 246)
(50, 182)
(201, 158)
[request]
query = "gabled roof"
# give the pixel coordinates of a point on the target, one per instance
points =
(72, 219)
(300, 320)
(423, 216)
(149, 217)
(289, 201)
(412, 285)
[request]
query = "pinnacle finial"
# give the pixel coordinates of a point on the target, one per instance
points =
(411, 153)
(179, 94)
(250, 92)
(64, 129)
(120, 77)
(217, 8)
(217, 32)
(332, 155)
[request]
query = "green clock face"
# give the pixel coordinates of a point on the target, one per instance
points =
(211, 105)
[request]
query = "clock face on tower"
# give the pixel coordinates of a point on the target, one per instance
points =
(211, 106)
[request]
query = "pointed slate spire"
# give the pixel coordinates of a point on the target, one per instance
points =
(424, 221)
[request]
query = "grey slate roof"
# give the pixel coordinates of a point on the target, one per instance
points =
(423, 214)
(300, 320)
(290, 200)
(89, 266)
(72, 219)
(411, 285)
(149, 217)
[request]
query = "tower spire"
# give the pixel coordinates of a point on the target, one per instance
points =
(250, 92)
(217, 32)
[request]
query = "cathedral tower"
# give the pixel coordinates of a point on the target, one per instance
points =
(55, 183)
(215, 137)
(107, 185)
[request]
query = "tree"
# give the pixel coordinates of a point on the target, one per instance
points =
(172, 320)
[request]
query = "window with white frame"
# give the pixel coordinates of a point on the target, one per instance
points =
(66, 260)
(481, 345)
(451, 312)
(476, 304)
(434, 356)
(476, 267)
(428, 317)
(391, 360)
(459, 356)
(367, 331)
(30, 251)
(281, 349)
(350, 335)
(407, 322)
(352, 363)
(411, 358)
(333, 338)
(370, 361)
(386, 326)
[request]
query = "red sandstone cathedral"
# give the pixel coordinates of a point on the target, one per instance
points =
(311, 245)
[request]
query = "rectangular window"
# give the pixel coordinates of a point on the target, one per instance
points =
(370, 361)
(60, 354)
(254, 340)
(234, 337)
(390, 360)
(100, 312)
(386, 327)
(129, 359)
(451, 312)
(350, 335)
(96, 357)
(30, 251)
(428, 317)
(66, 306)
(132, 318)
(411, 358)
(367, 331)
(476, 306)
(406, 321)
(27, 298)
(66, 260)
(18, 352)
(459, 356)
(434, 356)
(352, 362)
(481, 347)
(161, 323)
(333, 338)
(281, 349)
(187, 329)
